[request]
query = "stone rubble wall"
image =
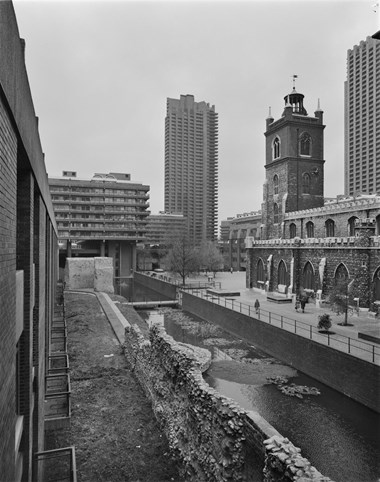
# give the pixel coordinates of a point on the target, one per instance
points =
(214, 438)
(91, 273)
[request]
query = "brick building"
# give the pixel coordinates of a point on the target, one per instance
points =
(28, 263)
(306, 242)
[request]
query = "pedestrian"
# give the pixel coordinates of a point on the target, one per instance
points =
(303, 303)
(297, 305)
(231, 270)
(257, 306)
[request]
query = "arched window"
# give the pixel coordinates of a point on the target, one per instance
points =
(351, 226)
(341, 273)
(260, 271)
(276, 148)
(292, 230)
(281, 276)
(308, 276)
(305, 144)
(310, 229)
(305, 183)
(275, 184)
(330, 228)
(378, 225)
(275, 213)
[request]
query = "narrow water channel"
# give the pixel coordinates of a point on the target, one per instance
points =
(340, 437)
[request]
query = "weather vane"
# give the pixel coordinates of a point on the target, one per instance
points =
(294, 81)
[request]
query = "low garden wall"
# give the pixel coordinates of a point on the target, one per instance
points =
(214, 438)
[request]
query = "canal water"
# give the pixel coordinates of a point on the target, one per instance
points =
(340, 437)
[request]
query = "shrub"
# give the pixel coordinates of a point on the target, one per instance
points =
(324, 322)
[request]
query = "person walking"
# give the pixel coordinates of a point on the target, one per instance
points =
(257, 306)
(303, 303)
(231, 270)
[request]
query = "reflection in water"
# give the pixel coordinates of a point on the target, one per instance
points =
(339, 436)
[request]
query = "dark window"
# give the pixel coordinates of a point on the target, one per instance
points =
(275, 184)
(341, 273)
(351, 226)
(305, 183)
(305, 144)
(292, 230)
(282, 273)
(310, 229)
(260, 271)
(308, 276)
(330, 228)
(276, 148)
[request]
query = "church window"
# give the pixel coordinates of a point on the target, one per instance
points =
(310, 229)
(305, 144)
(292, 230)
(260, 271)
(351, 226)
(276, 148)
(308, 276)
(305, 183)
(275, 184)
(330, 228)
(281, 273)
(341, 273)
(275, 213)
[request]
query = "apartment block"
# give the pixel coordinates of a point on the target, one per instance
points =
(102, 216)
(362, 119)
(191, 165)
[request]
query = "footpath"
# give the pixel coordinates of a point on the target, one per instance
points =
(362, 323)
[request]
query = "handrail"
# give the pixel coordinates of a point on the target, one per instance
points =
(369, 351)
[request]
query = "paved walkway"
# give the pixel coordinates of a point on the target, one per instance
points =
(363, 322)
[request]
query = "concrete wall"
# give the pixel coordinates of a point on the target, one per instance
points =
(212, 436)
(336, 369)
(163, 287)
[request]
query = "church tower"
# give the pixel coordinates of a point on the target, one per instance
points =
(294, 164)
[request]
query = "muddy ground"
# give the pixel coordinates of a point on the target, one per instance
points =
(113, 428)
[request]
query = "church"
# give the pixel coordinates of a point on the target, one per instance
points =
(307, 243)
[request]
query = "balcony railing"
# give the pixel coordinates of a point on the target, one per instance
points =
(57, 465)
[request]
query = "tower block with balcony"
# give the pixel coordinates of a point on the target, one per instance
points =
(294, 164)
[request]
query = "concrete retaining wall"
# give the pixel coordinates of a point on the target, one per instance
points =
(351, 376)
(163, 287)
(211, 435)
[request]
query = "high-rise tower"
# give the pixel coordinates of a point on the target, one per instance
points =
(294, 164)
(191, 165)
(362, 119)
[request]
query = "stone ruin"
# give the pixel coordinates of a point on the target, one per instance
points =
(89, 273)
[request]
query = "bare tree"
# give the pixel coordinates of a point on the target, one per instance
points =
(211, 257)
(182, 258)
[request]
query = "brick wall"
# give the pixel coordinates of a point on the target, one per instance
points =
(8, 163)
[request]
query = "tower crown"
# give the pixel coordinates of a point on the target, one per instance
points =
(295, 101)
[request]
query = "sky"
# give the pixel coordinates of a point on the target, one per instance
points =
(100, 73)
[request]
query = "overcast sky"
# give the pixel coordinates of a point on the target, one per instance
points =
(100, 73)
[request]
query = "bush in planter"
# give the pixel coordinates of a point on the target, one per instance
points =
(324, 322)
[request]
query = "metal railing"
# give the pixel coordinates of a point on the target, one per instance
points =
(187, 286)
(355, 347)
(57, 400)
(57, 465)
